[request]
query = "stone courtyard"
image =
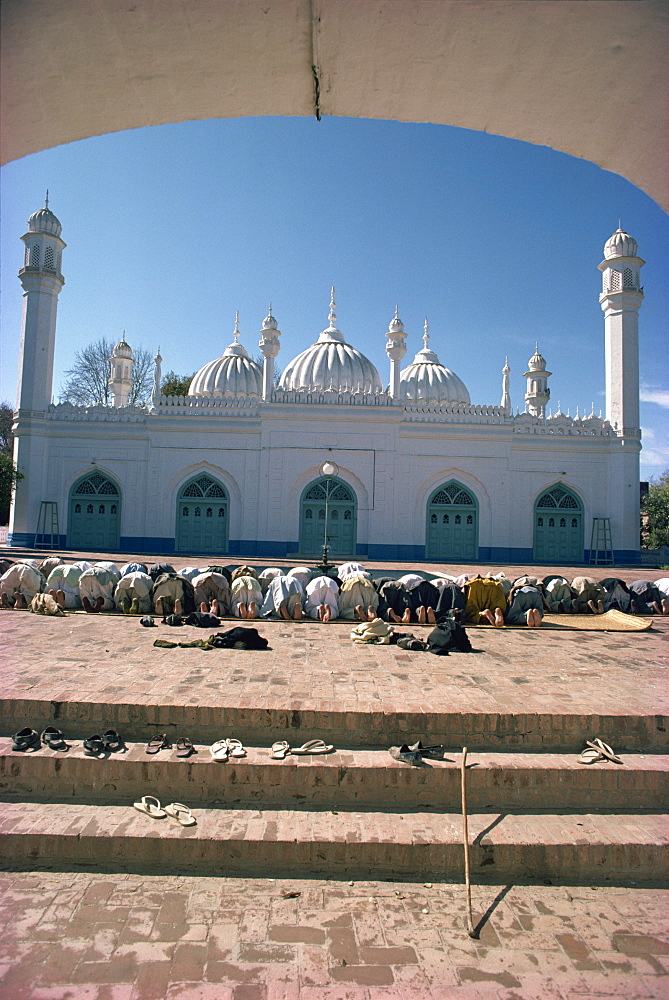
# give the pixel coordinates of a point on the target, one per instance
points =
(337, 877)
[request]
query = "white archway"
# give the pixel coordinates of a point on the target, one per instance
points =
(588, 79)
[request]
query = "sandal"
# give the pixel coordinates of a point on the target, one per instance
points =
(111, 741)
(590, 756)
(93, 745)
(604, 749)
(54, 739)
(25, 739)
(279, 750)
(219, 750)
(184, 747)
(235, 748)
(157, 743)
(149, 805)
(313, 746)
(181, 813)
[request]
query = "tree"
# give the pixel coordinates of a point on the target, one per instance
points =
(655, 513)
(6, 434)
(278, 372)
(87, 382)
(9, 477)
(176, 385)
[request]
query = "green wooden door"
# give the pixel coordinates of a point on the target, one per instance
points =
(558, 527)
(202, 517)
(341, 518)
(452, 532)
(94, 519)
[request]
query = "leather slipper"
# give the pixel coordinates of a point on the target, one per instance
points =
(406, 755)
(150, 806)
(313, 746)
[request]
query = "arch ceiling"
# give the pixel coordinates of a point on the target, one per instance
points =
(589, 79)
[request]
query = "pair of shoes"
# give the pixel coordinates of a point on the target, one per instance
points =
(150, 806)
(109, 742)
(157, 743)
(281, 749)
(412, 643)
(147, 621)
(223, 749)
(435, 752)
(406, 754)
(26, 739)
(598, 750)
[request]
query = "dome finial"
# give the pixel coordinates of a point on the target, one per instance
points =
(46, 200)
(426, 335)
(333, 316)
(236, 332)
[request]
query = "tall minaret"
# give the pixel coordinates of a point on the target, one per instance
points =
(396, 348)
(621, 299)
(538, 393)
(120, 375)
(269, 346)
(42, 281)
(157, 379)
(506, 394)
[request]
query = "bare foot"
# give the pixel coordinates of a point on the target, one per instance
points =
(359, 612)
(20, 602)
(88, 607)
(665, 606)
(394, 617)
(215, 608)
(499, 618)
(431, 617)
(99, 605)
(157, 605)
(4, 600)
(204, 608)
(371, 614)
(243, 613)
(593, 607)
(327, 613)
(177, 606)
(283, 611)
(487, 616)
(537, 618)
(252, 610)
(406, 617)
(297, 612)
(60, 599)
(422, 615)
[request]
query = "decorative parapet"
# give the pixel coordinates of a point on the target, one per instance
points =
(332, 396)
(185, 405)
(561, 425)
(453, 413)
(98, 414)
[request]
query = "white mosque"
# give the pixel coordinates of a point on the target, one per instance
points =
(411, 470)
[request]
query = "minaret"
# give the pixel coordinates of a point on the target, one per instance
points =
(506, 394)
(396, 348)
(269, 346)
(621, 299)
(538, 393)
(157, 379)
(120, 376)
(42, 281)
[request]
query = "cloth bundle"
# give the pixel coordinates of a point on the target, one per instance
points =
(377, 631)
(447, 635)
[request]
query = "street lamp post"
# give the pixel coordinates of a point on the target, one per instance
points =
(328, 469)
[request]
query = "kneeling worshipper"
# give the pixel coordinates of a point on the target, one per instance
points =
(134, 594)
(246, 595)
(616, 595)
(173, 595)
(96, 588)
(647, 598)
(19, 584)
(212, 592)
(63, 585)
(526, 604)
(322, 599)
(485, 601)
(588, 596)
(283, 599)
(559, 595)
(358, 600)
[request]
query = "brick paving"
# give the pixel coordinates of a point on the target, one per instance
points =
(76, 936)
(70, 935)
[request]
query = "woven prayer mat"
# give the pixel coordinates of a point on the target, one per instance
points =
(610, 621)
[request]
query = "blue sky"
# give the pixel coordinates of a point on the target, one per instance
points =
(172, 229)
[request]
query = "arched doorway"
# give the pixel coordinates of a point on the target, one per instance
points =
(202, 516)
(452, 524)
(341, 518)
(558, 526)
(94, 516)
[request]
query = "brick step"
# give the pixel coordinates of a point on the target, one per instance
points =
(421, 844)
(371, 727)
(350, 779)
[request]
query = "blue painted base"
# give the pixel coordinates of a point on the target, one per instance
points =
(21, 539)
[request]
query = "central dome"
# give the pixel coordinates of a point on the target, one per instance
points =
(331, 363)
(233, 374)
(426, 380)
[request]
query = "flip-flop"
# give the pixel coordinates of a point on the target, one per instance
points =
(184, 747)
(181, 813)
(279, 750)
(157, 743)
(235, 748)
(604, 749)
(150, 805)
(313, 746)
(590, 756)
(219, 750)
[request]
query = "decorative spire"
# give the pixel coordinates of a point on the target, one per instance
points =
(332, 316)
(426, 335)
(46, 200)
(236, 333)
(506, 370)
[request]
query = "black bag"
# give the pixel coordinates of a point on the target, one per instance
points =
(239, 638)
(447, 635)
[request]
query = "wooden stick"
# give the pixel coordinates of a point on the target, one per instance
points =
(465, 840)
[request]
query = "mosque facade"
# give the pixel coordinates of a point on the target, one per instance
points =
(409, 470)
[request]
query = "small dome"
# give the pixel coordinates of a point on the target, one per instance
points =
(621, 244)
(426, 380)
(234, 373)
(396, 325)
(331, 363)
(122, 349)
(44, 221)
(269, 322)
(537, 362)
